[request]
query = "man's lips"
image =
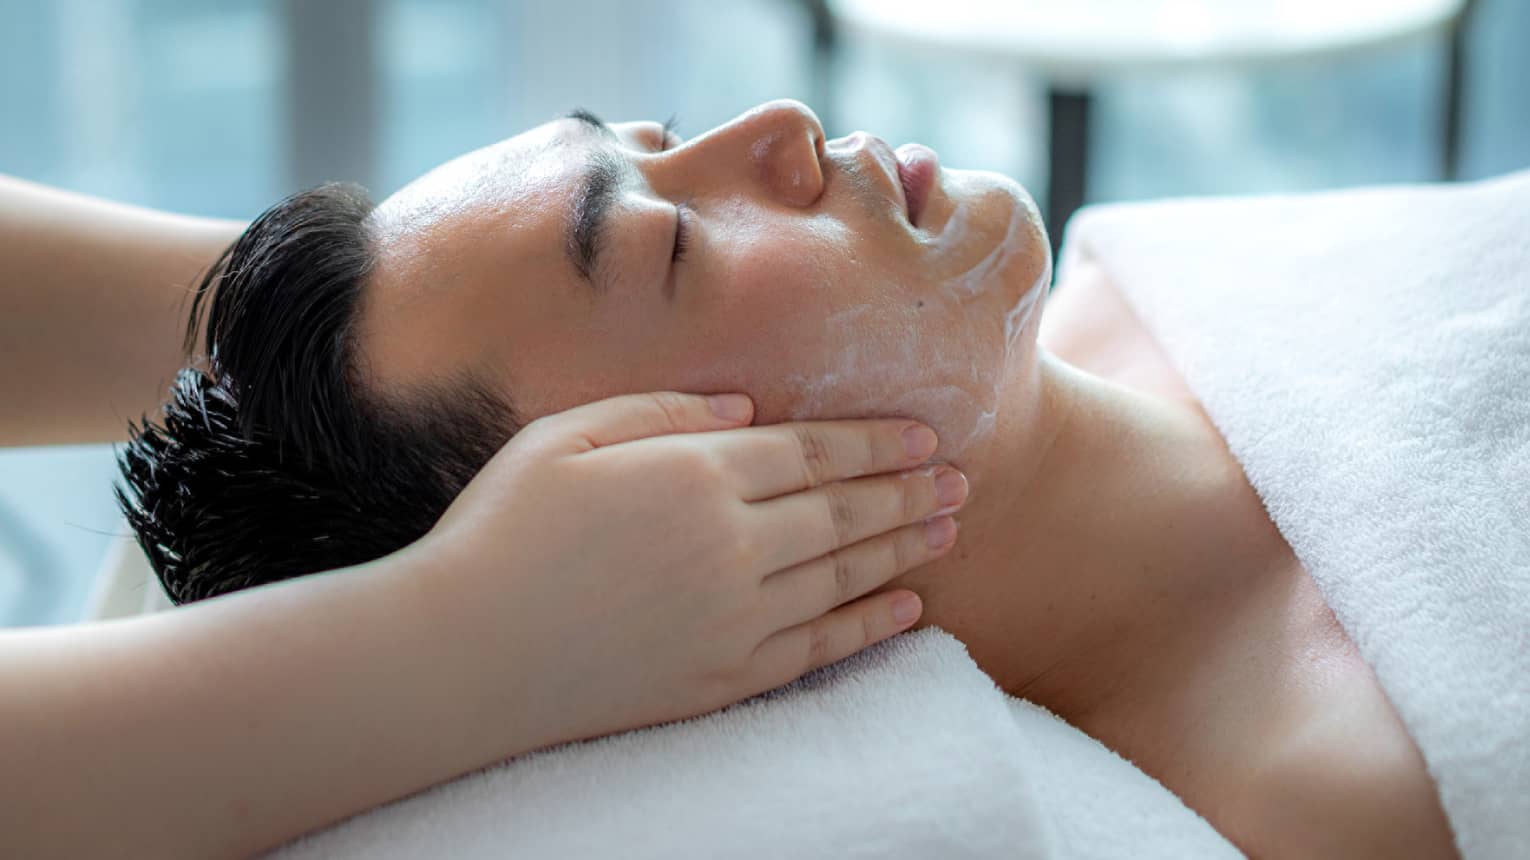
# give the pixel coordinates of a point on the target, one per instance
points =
(918, 168)
(913, 168)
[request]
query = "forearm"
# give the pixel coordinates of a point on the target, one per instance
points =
(93, 298)
(228, 727)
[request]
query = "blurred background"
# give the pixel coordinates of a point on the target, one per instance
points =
(221, 108)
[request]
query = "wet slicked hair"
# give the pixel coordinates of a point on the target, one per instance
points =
(274, 461)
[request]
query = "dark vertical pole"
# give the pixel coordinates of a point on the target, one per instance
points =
(331, 90)
(1454, 98)
(1068, 158)
(825, 50)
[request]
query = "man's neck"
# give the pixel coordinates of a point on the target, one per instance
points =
(1109, 538)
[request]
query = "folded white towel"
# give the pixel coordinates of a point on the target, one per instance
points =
(1366, 354)
(906, 750)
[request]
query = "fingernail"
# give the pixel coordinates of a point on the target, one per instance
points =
(950, 489)
(905, 609)
(939, 532)
(730, 407)
(919, 441)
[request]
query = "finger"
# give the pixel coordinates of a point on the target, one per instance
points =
(806, 525)
(786, 458)
(639, 416)
(795, 651)
(809, 590)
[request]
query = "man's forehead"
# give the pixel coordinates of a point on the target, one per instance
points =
(521, 179)
(498, 209)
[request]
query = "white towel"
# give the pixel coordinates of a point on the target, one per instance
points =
(1366, 354)
(906, 750)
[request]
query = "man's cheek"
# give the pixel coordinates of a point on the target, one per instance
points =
(789, 258)
(762, 354)
(770, 292)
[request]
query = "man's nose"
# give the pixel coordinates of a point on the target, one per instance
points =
(776, 146)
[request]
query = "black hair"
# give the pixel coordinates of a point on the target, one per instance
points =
(275, 460)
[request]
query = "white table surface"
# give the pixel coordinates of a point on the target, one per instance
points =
(1073, 42)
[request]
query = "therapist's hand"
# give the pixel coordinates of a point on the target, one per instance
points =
(656, 559)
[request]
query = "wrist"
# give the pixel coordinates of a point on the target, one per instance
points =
(478, 654)
(257, 716)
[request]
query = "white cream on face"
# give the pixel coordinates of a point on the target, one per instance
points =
(941, 356)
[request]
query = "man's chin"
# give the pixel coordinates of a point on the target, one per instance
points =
(994, 193)
(971, 184)
(997, 216)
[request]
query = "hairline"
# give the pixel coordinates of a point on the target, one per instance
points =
(370, 392)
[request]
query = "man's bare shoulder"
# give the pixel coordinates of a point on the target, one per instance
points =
(1346, 780)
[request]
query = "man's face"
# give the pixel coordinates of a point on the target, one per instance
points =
(549, 265)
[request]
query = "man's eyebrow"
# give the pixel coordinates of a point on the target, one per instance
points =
(598, 189)
(592, 121)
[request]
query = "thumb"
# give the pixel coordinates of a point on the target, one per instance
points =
(630, 417)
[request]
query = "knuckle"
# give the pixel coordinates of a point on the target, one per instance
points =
(820, 644)
(870, 462)
(708, 465)
(739, 669)
(844, 576)
(902, 548)
(671, 405)
(817, 460)
(695, 472)
(912, 501)
(746, 552)
(537, 436)
(842, 514)
(722, 684)
(868, 630)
